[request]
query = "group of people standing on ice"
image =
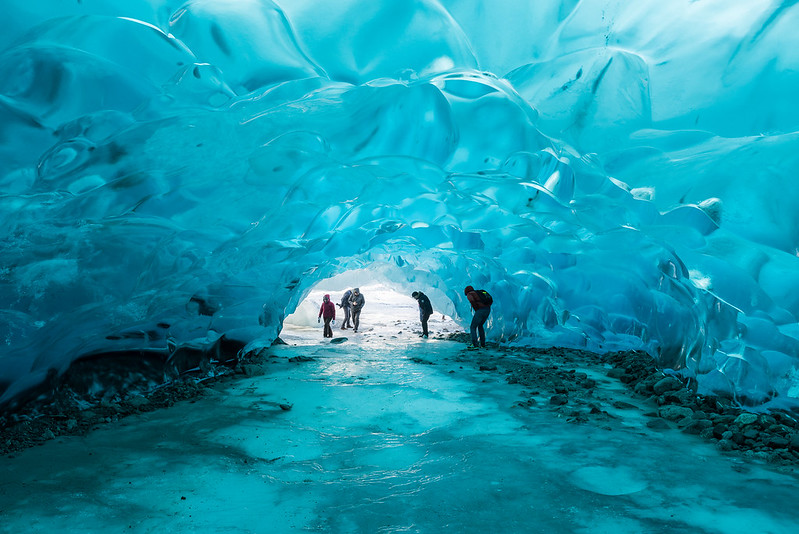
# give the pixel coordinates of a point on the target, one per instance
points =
(352, 303)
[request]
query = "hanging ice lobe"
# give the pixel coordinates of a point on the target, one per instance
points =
(175, 177)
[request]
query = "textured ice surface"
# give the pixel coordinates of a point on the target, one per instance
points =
(618, 175)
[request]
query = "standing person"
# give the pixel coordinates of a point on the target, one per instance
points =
(328, 310)
(425, 309)
(481, 304)
(356, 301)
(345, 305)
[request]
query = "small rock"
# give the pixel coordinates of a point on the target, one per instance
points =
(696, 426)
(87, 415)
(751, 433)
(777, 442)
(705, 433)
(285, 407)
(252, 370)
(558, 400)
(48, 434)
(617, 372)
(667, 384)
(684, 422)
(675, 413)
(746, 419)
(138, 402)
(623, 405)
(720, 430)
(488, 367)
(657, 424)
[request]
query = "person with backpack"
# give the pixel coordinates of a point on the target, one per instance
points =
(345, 305)
(356, 301)
(425, 309)
(328, 310)
(481, 304)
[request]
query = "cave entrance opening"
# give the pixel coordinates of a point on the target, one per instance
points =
(390, 314)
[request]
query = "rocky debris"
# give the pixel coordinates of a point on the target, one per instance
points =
(69, 412)
(459, 337)
(252, 369)
(33, 428)
(772, 437)
(301, 358)
(569, 388)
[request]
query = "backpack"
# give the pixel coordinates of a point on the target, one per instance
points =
(485, 297)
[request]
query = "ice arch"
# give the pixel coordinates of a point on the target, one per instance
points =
(174, 172)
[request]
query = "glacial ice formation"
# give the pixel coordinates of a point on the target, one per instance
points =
(619, 175)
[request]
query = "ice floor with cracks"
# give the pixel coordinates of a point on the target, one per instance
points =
(387, 432)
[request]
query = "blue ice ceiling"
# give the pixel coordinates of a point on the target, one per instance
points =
(617, 174)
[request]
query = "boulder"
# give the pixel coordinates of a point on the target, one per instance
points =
(696, 426)
(746, 419)
(667, 384)
(252, 370)
(777, 442)
(675, 413)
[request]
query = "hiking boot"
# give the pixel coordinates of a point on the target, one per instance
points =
(471, 347)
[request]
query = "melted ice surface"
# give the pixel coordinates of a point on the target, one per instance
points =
(617, 175)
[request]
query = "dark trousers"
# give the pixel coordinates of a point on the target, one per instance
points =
(356, 318)
(345, 323)
(424, 317)
(479, 319)
(328, 330)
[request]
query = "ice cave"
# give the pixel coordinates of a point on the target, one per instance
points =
(181, 175)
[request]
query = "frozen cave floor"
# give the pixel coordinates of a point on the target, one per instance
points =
(386, 432)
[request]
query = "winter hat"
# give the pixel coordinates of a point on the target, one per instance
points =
(415, 294)
(468, 290)
(356, 290)
(327, 297)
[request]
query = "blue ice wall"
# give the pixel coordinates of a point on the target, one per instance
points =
(617, 174)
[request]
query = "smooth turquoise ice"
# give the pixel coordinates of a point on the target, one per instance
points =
(617, 174)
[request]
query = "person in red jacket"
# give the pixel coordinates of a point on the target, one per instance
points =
(481, 312)
(328, 311)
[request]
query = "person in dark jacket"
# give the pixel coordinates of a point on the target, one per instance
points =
(345, 305)
(481, 312)
(328, 311)
(425, 309)
(356, 301)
